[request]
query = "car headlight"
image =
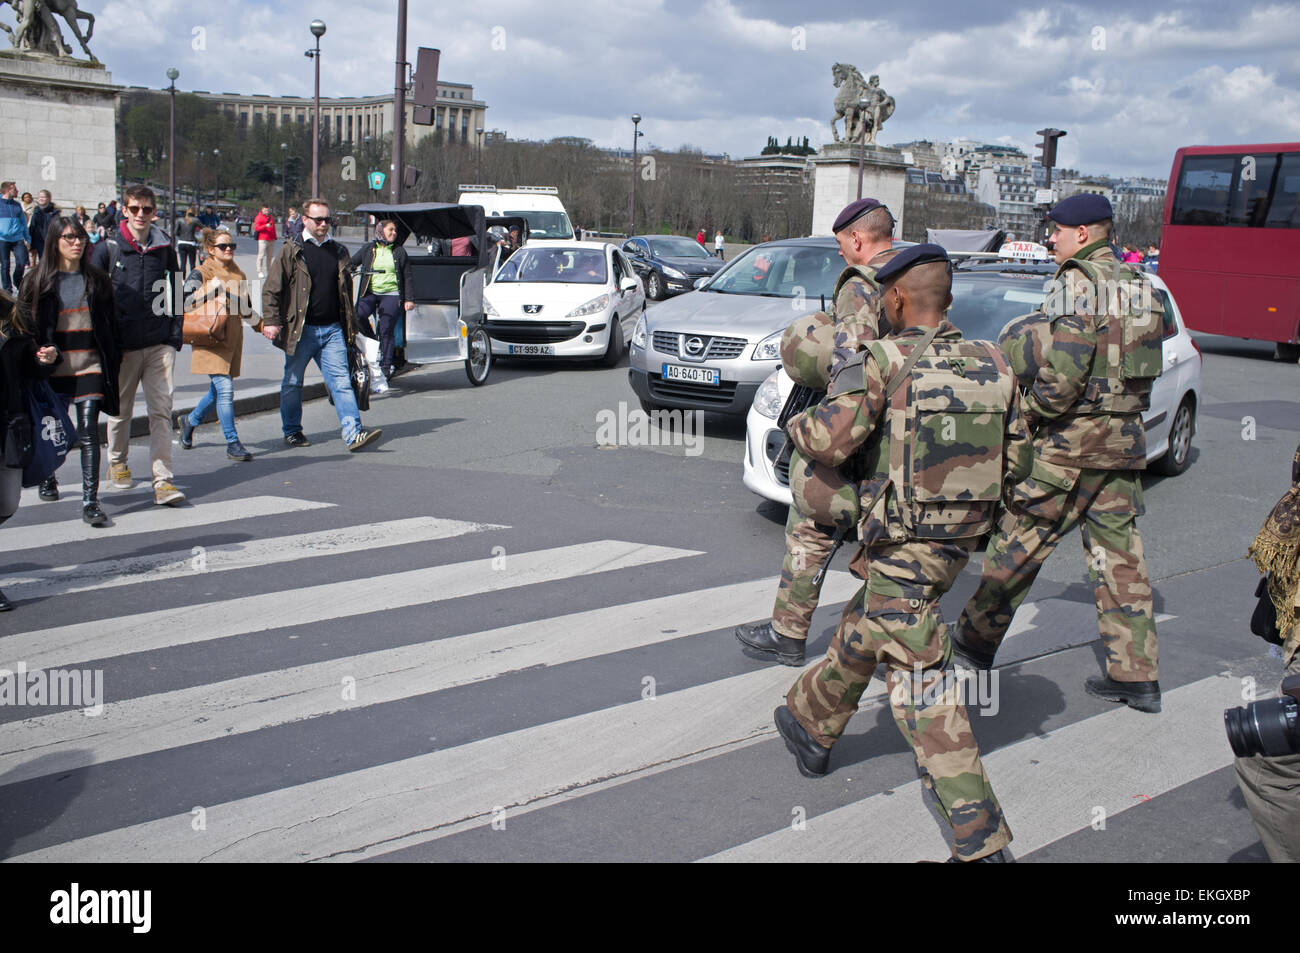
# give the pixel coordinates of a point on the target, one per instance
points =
(673, 273)
(488, 309)
(639, 333)
(768, 349)
(591, 307)
(767, 401)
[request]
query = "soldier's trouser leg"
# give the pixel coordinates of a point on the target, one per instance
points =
(806, 546)
(900, 625)
(1271, 788)
(1118, 571)
(1019, 546)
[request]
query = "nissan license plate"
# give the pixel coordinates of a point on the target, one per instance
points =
(532, 349)
(692, 375)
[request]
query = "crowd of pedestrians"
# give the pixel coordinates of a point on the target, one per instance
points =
(83, 319)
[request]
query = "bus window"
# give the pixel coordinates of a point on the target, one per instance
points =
(1250, 196)
(1284, 212)
(1202, 196)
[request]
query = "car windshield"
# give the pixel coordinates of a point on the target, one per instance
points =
(983, 304)
(585, 266)
(782, 271)
(674, 247)
(545, 224)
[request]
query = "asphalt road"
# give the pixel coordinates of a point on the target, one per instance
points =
(488, 638)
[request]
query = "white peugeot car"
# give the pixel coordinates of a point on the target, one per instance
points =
(576, 299)
(985, 298)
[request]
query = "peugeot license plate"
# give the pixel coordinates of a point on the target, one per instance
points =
(532, 348)
(692, 375)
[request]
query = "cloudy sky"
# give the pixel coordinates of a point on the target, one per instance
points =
(1129, 81)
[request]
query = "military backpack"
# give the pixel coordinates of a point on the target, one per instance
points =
(1130, 336)
(934, 468)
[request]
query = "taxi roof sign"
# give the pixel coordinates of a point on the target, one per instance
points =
(1023, 251)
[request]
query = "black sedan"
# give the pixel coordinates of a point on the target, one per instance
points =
(669, 264)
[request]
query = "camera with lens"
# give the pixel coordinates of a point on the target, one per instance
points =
(1270, 727)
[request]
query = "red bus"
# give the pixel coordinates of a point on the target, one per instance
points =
(1230, 246)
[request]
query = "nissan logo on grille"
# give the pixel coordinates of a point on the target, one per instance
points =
(695, 346)
(532, 308)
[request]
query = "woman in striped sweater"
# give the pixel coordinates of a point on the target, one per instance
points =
(70, 304)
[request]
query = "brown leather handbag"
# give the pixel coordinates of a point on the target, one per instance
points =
(205, 324)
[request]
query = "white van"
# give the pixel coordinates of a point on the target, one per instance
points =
(539, 204)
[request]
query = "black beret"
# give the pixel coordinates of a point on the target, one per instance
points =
(1082, 209)
(910, 256)
(854, 211)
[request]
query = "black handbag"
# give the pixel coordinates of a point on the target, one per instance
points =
(19, 448)
(359, 375)
(1263, 621)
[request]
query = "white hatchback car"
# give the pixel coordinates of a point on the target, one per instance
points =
(573, 299)
(985, 298)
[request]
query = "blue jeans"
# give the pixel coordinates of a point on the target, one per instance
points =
(325, 344)
(19, 251)
(222, 393)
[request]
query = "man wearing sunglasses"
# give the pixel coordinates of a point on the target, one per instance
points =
(145, 273)
(307, 310)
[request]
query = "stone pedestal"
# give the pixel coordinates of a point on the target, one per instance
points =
(57, 118)
(835, 182)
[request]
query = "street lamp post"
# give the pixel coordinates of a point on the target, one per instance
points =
(216, 185)
(172, 73)
(198, 180)
(317, 30)
(636, 134)
(863, 104)
(284, 193)
(478, 165)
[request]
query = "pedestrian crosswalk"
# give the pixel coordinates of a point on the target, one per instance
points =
(587, 703)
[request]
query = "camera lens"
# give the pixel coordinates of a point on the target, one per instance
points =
(1266, 727)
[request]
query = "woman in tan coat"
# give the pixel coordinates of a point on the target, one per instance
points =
(216, 276)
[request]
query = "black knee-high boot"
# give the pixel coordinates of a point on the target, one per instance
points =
(88, 439)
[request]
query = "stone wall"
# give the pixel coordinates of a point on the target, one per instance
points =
(57, 129)
(835, 182)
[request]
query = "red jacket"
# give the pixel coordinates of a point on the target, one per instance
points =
(264, 227)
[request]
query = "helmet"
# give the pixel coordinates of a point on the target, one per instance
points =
(807, 349)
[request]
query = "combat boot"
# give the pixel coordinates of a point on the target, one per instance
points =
(1144, 696)
(764, 639)
(811, 758)
(966, 655)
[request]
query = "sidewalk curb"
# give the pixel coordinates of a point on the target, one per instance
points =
(250, 404)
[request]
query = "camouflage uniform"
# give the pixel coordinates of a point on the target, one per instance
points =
(810, 348)
(1085, 472)
(916, 537)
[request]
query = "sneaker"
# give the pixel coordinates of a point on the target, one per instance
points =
(297, 440)
(49, 491)
(236, 451)
(362, 438)
(119, 474)
(165, 494)
(187, 433)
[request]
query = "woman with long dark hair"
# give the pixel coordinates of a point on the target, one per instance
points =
(21, 361)
(69, 304)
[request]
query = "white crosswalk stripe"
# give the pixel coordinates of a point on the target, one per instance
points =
(108, 573)
(1051, 785)
(106, 638)
(156, 519)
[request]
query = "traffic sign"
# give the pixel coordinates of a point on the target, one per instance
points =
(377, 180)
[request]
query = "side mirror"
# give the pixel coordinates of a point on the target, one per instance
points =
(628, 284)
(701, 282)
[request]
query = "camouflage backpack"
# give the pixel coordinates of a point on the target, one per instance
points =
(806, 349)
(936, 469)
(1130, 337)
